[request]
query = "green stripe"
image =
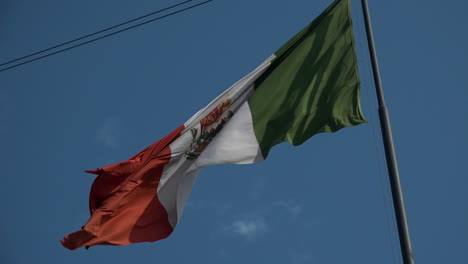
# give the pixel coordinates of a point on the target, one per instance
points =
(313, 84)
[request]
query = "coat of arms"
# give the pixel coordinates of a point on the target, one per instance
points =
(210, 126)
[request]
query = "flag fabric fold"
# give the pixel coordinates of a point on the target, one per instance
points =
(309, 86)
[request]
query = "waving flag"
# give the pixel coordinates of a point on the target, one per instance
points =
(310, 85)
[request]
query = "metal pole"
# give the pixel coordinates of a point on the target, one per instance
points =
(397, 195)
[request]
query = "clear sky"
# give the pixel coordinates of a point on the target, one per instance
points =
(326, 201)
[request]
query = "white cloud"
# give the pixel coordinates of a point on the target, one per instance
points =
(109, 132)
(248, 229)
(293, 208)
(254, 224)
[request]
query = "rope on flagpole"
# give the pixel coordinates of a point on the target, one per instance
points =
(390, 155)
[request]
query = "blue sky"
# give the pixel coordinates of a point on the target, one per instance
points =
(326, 201)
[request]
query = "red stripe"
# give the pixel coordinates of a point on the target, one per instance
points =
(123, 201)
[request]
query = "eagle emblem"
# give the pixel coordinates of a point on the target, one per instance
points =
(210, 126)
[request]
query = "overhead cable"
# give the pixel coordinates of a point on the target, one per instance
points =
(101, 37)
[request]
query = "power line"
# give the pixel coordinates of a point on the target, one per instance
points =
(95, 33)
(102, 37)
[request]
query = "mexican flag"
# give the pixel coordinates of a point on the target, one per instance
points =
(308, 86)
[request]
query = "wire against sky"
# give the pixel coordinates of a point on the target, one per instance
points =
(95, 33)
(102, 37)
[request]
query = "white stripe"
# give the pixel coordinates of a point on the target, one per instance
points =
(237, 144)
(177, 179)
(233, 92)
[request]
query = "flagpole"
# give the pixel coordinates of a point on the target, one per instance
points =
(397, 194)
